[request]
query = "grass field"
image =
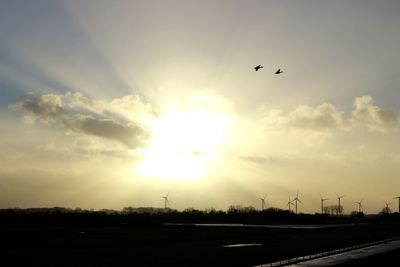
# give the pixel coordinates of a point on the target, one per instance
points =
(125, 245)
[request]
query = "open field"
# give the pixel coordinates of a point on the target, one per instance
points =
(121, 245)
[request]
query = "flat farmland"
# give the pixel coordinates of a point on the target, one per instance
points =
(174, 245)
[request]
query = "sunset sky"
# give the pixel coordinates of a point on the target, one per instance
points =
(109, 104)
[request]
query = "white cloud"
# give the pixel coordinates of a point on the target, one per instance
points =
(321, 118)
(320, 122)
(372, 117)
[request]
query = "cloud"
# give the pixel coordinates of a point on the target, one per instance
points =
(254, 159)
(130, 107)
(46, 109)
(372, 117)
(262, 160)
(131, 135)
(316, 123)
(321, 118)
(320, 122)
(83, 147)
(80, 114)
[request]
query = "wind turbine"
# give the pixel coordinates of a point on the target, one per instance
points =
(297, 200)
(399, 202)
(165, 200)
(322, 204)
(290, 202)
(359, 206)
(262, 202)
(339, 207)
(387, 206)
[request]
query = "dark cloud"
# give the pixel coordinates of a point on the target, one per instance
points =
(50, 109)
(261, 160)
(130, 135)
(254, 159)
(46, 108)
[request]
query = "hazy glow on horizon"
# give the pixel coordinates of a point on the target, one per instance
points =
(132, 100)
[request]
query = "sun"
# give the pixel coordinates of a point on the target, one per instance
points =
(185, 144)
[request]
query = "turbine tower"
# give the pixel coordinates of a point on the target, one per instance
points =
(165, 200)
(297, 200)
(339, 207)
(360, 207)
(399, 202)
(262, 202)
(322, 204)
(290, 202)
(387, 206)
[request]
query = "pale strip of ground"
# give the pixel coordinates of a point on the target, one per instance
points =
(280, 226)
(348, 256)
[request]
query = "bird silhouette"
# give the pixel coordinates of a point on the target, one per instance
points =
(258, 67)
(278, 71)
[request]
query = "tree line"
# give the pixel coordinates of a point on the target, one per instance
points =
(149, 216)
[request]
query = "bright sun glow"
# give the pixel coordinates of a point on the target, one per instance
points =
(185, 144)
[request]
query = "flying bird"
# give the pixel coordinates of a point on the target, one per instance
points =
(278, 71)
(258, 67)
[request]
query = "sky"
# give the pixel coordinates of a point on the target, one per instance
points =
(110, 104)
